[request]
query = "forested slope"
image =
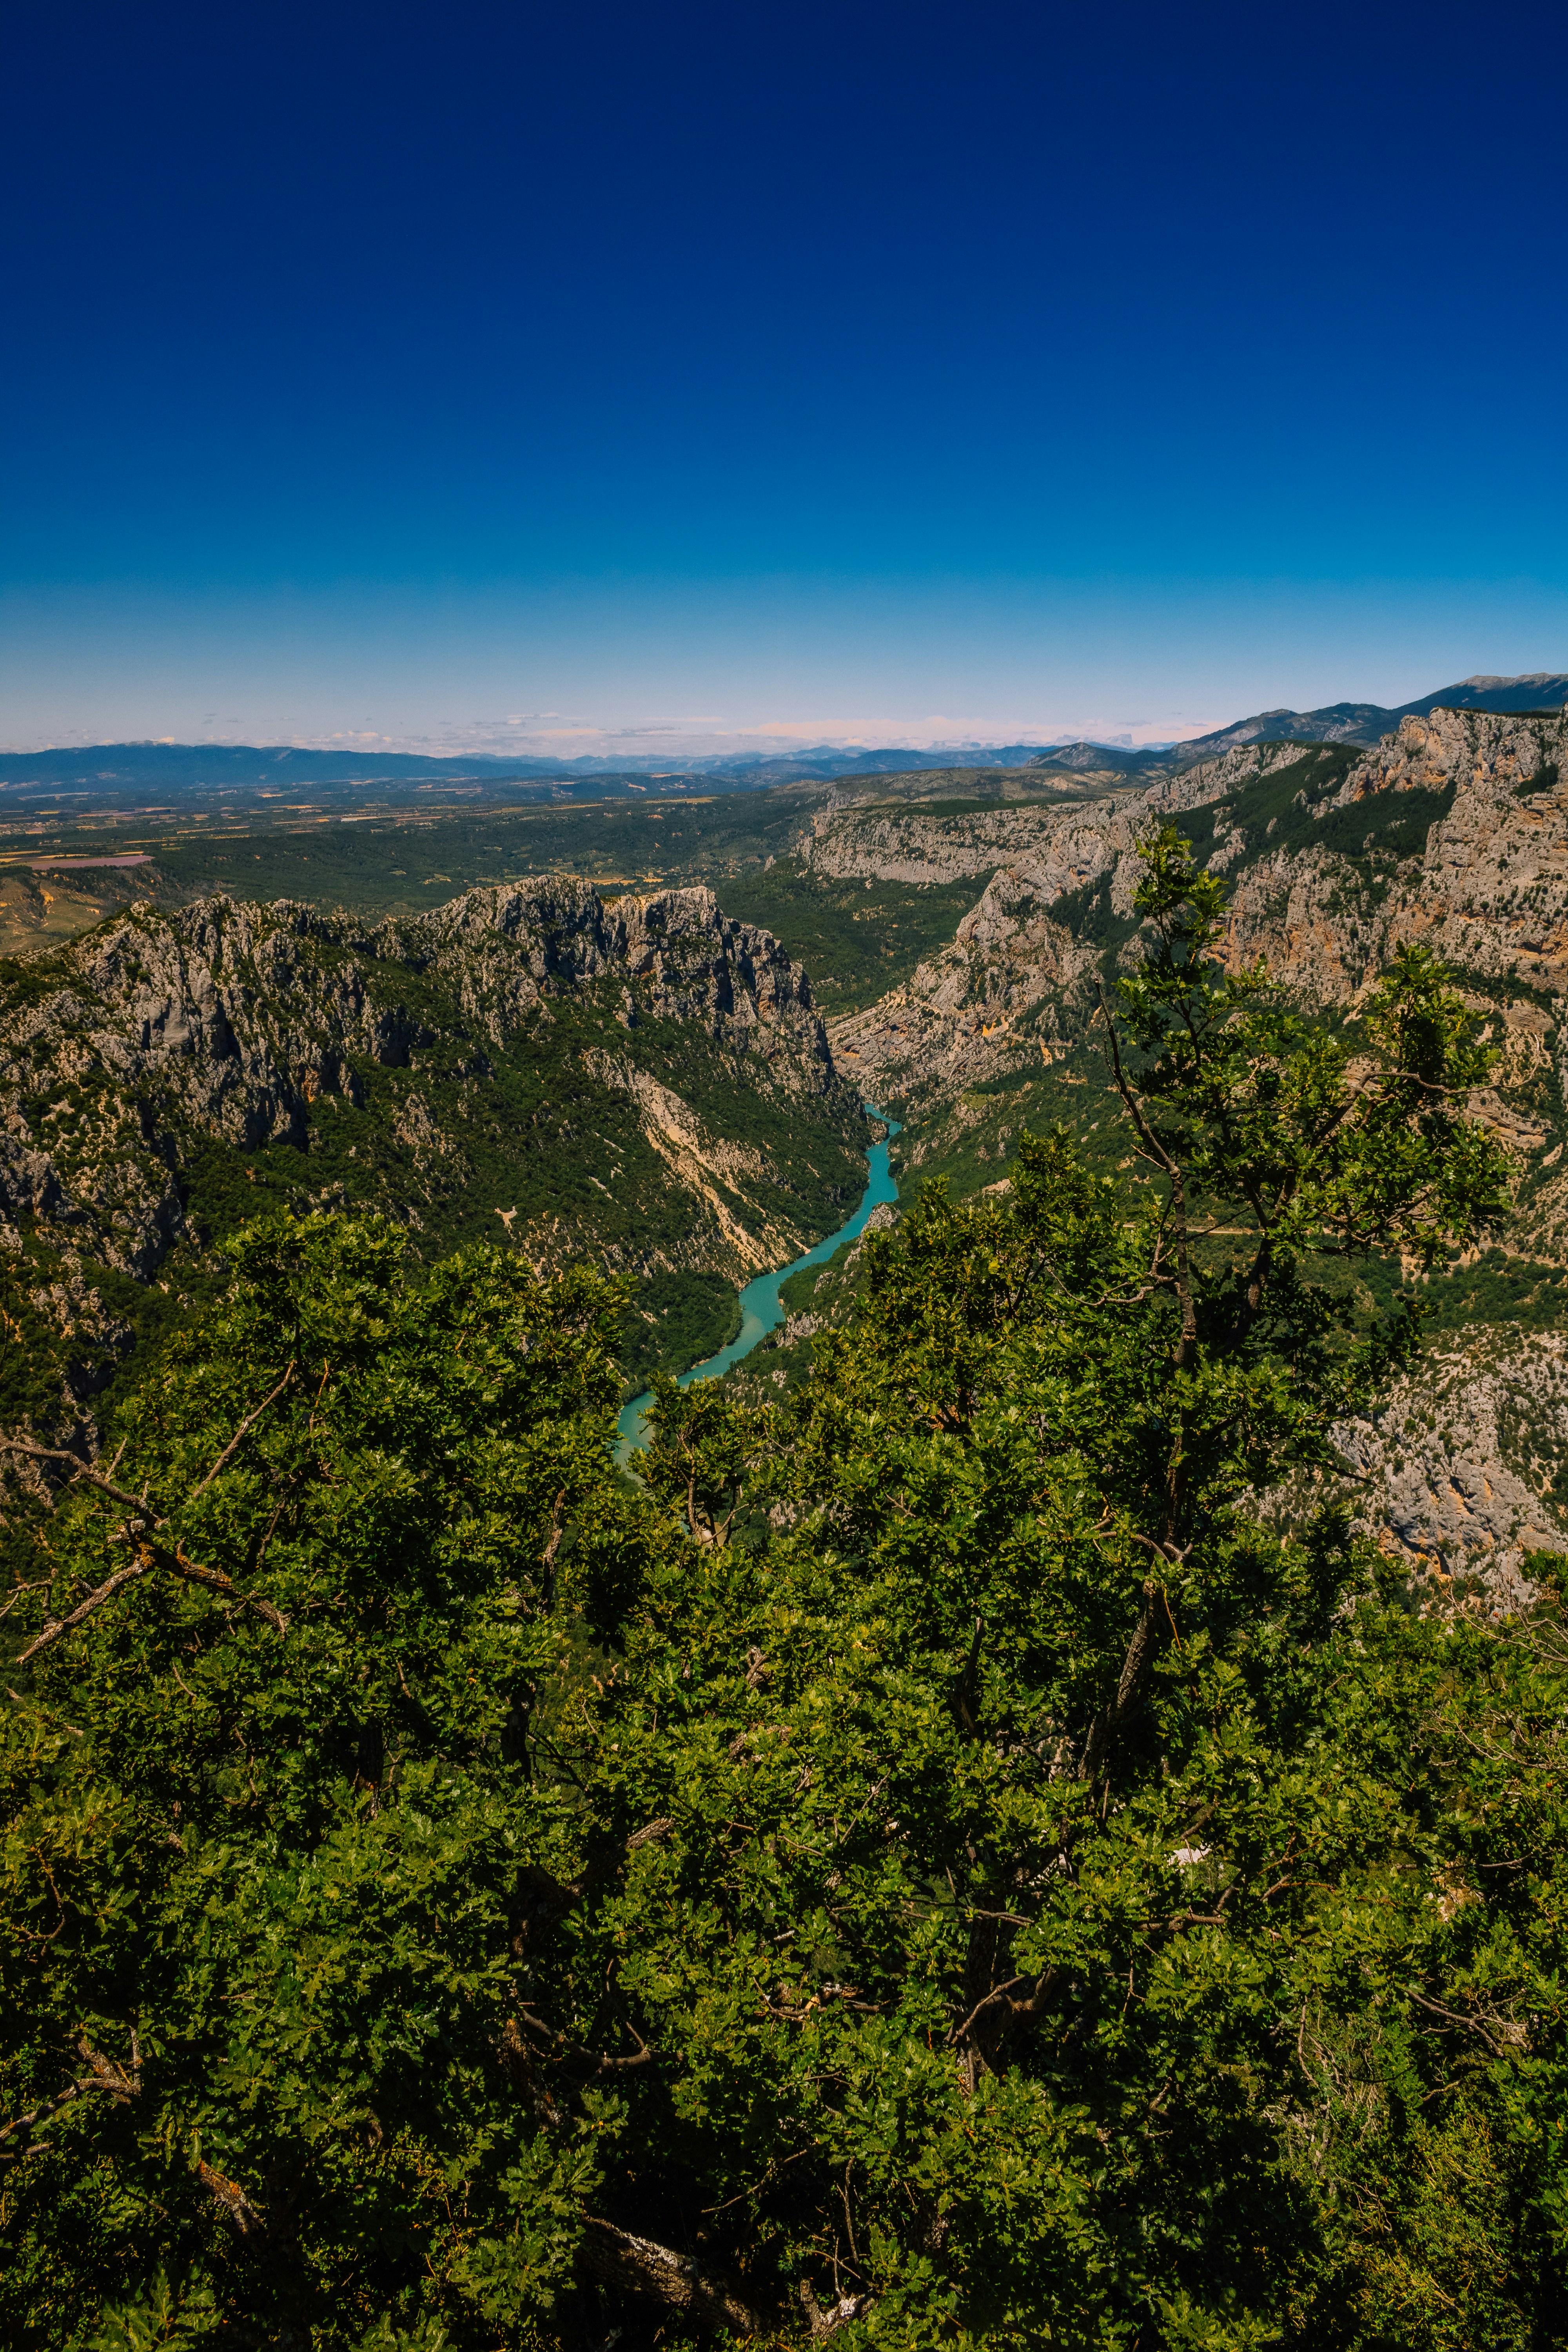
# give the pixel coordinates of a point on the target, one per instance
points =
(643, 1083)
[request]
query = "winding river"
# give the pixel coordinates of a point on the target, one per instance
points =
(762, 1309)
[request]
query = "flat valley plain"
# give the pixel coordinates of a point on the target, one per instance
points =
(409, 853)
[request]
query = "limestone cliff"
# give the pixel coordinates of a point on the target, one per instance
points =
(642, 1081)
(1325, 896)
(1453, 831)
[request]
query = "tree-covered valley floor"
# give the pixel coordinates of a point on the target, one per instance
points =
(927, 1867)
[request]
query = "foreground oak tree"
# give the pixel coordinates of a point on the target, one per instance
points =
(928, 1867)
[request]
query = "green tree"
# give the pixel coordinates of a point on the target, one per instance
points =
(929, 1868)
(270, 1815)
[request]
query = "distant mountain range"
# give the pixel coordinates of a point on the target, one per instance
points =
(1338, 723)
(169, 766)
(1365, 723)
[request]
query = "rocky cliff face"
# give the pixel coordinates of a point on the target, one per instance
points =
(645, 1081)
(1466, 1466)
(1488, 889)
(1453, 831)
(1015, 983)
(1487, 885)
(1062, 845)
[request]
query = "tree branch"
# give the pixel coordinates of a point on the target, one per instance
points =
(152, 1554)
(642, 2057)
(249, 2223)
(825, 2324)
(122, 2083)
(552, 1545)
(1110, 1718)
(552, 1897)
(137, 1502)
(214, 1581)
(1154, 1150)
(966, 1698)
(247, 1424)
(997, 1992)
(60, 1626)
(1152, 1144)
(615, 2258)
(150, 1551)
(1019, 2012)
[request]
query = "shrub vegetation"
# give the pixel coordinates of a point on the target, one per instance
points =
(925, 1868)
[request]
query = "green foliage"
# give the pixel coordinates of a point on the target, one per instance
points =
(1494, 1288)
(26, 982)
(1087, 913)
(268, 1812)
(1284, 811)
(1260, 1108)
(525, 1137)
(530, 1125)
(405, 860)
(987, 806)
(856, 940)
(927, 1870)
(674, 1321)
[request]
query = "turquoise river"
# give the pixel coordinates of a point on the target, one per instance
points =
(762, 1309)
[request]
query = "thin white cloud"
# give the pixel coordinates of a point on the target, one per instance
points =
(564, 735)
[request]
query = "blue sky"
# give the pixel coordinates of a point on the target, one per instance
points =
(486, 377)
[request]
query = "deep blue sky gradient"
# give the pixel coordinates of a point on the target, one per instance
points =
(413, 368)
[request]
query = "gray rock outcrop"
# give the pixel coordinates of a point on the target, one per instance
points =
(225, 1024)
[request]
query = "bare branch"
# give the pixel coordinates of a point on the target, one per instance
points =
(1017, 2012)
(1152, 1146)
(1469, 2024)
(80, 1469)
(1138, 1650)
(643, 2056)
(122, 2084)
(550, 1897)
(651, 1830)
(63, 1625)
(1169, 1553)
(75, 1731)
(557, 1528)
(214, 1581)
(245, 1425)
(996, 1994)
(42, 2112)
(152, 1554)
(966, 1698)
(1155, 1150)
(19, 1593)
(249, 2223)
(1110, 1718)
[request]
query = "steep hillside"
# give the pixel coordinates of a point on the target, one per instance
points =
(644, 1082)
(1454, 831)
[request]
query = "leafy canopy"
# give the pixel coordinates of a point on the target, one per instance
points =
(926, 1867)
